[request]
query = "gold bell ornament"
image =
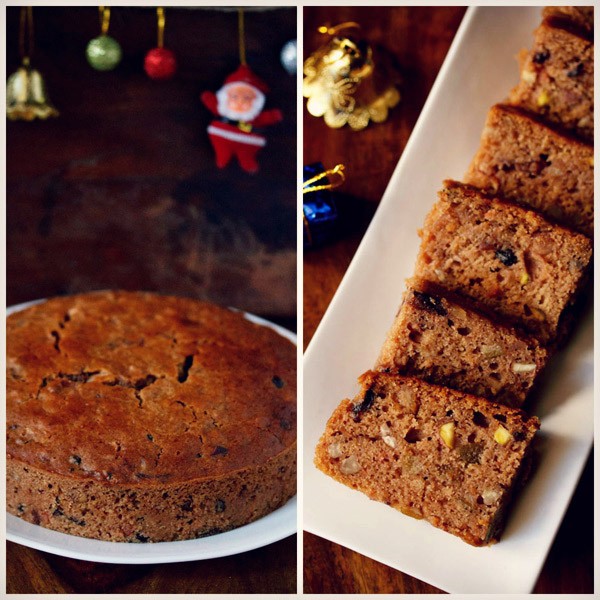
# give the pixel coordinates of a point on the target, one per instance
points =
(344, 86)
(26, 97)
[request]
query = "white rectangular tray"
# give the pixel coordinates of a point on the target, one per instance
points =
(479, 71)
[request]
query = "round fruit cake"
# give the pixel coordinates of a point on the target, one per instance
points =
(143, 418)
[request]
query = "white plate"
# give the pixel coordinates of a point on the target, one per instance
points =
(272, 528)
(479, 71)
(275, 526)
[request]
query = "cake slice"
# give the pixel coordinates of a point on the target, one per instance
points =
(429, 451)
(529, 162)
(505, 258)
(439, 337)
(557, 77)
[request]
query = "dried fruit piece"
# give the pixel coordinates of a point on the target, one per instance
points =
(411, 465)
(430, 303)
(471, 453)
(502, 435)
(278, 382)
(447, 434)
(576, 70)
(506, 256)
(414, 435)
(543, 99)
(411, 511)
(366, 404)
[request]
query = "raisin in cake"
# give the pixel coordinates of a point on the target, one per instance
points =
(557, 78)
(138, 417)
(505, 258)
(523, 159)
(439, 337)
(429, 451)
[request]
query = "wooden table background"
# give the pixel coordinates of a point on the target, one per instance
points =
(419, 38)
(121, 191)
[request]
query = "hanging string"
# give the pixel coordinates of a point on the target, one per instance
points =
(241, 35)
(104, 12)
(337, 170)
(333, 30)
(26, 31)
(160, 14)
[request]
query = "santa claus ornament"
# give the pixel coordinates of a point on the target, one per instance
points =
(238, 110)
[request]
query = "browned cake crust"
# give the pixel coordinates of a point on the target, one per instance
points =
(578, 16)
(504, 257)
(523, 159)
(557, 78)
(431, 452)
(441, 338)
(139, 417)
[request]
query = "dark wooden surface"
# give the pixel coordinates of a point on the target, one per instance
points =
(121, 191)
(419, 38)
(271, 569)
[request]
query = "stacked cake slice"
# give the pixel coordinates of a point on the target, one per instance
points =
(437, 430)
(444, 339)
(526, 160)
(557, 76)
(432, 452)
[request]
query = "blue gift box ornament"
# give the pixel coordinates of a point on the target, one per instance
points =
(320, 210)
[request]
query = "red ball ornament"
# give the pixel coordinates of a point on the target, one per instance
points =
(160, 63)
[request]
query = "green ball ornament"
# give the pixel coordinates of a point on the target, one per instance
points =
(103, 53)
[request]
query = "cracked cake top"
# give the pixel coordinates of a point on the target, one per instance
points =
(132, 387)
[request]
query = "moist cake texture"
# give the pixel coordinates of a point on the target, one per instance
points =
(439, 337)
(505, 258)
(557, 78)
(525, 160)
(429, 451)
(138, 417)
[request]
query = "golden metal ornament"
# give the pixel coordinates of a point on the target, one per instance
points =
(26, 97)
(344, 87)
